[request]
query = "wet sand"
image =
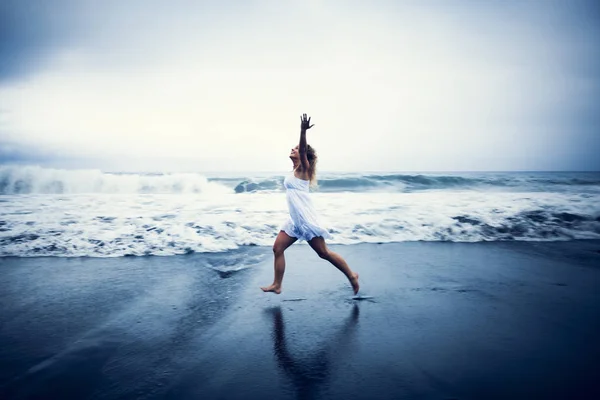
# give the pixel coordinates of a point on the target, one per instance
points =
(439, 321)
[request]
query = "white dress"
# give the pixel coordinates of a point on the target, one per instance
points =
(302, 222)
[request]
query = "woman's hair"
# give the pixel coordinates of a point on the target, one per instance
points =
(311, 154)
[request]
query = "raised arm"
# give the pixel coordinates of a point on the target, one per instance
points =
(304, 126)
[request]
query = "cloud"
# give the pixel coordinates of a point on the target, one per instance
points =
(11, 153)
(395, 87)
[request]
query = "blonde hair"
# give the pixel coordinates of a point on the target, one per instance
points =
(311, 154)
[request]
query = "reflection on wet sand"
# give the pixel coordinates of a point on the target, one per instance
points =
(310, 373)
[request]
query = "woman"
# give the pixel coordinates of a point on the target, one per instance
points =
(303, 223)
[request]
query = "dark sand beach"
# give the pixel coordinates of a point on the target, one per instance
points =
(441, 320)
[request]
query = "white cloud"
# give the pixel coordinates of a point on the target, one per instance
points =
(410, 89)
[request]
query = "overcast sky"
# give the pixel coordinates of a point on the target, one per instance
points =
(390, 85)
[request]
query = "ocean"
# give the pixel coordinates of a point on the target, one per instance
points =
(90, 213)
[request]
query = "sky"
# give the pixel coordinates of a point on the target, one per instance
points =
(156, 86)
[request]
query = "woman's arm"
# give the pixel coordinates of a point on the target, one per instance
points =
(304, 126)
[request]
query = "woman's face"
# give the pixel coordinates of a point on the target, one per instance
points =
(294, 155)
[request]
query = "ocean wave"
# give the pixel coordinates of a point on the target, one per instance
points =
(140, 225)
(38, 180)
(263, 185)
(330, 183)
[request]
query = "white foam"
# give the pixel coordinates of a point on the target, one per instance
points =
(110, 225)
(37, 180)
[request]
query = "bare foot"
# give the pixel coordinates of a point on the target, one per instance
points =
(354, 282)
(272, 288)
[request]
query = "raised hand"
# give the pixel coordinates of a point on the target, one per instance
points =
(305, 123)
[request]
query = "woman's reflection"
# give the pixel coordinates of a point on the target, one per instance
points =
(309, 373)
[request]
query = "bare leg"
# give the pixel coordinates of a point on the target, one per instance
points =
(318, 245)
(282, 242)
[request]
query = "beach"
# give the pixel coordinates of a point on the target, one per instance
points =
(151, 161)
(436, 320)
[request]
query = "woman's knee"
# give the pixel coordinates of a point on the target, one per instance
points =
(278, 250)
(324, 254)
